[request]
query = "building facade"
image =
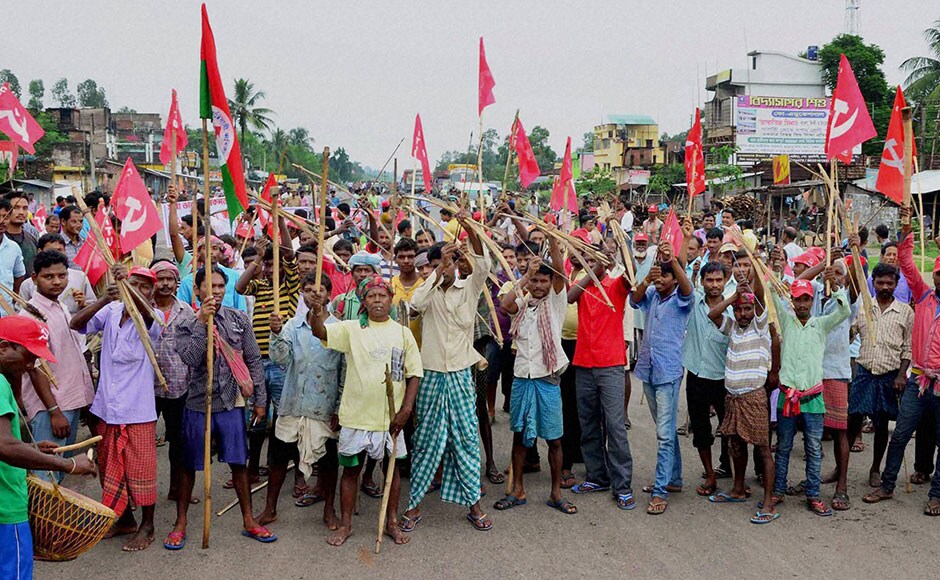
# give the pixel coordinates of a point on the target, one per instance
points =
(627, 142)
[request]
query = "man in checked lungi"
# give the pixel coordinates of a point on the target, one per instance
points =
(125, 404)
(446, 416)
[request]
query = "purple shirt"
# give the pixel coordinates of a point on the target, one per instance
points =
(125, 386)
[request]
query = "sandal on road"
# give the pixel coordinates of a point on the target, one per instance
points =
(308, 499)
(857, 447)
(878, 495)
(656, 508)
(408, 525)
(568, 481)
(562, 505)
(798, 489)
(764, 517)
(775, 498)
(261, 534)
(818, 507)
(371, 490)
(918, 478)
(480, 522)
(589, 487)
(495, 476)
(840, 501)
(874, 479)
(175, 541)
(933, 508)
(670, 488)
(509, 502)
(725, 497)
(625, 501)
(706, 490)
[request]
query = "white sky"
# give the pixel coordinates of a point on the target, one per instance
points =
(356, 72)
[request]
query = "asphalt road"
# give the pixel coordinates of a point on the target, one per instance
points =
(692, 539)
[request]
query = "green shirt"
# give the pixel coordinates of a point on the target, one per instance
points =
(13, 498)
(803, 347)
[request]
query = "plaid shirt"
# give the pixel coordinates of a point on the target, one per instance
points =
(174, 370)
(892, 338)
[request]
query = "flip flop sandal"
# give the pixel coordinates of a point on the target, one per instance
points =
(932, 510)
(875, 497)
(722, 473)
(495, 477)
(840, 501)
(818, 507)
(261, 534)
(798, 489)
(301, 490)
(509, 502)
(725, 497)
(479, 523)
(655, 509)
(670, 488)
(565, 507)
(625, 501)
(857, 447)
(589, 487)
(371, 490)
(408, 525)
(918, 478)
(764, 518)
(777, 499)
(706, 490)
(568, 481)
(308, 499)
(175, 541)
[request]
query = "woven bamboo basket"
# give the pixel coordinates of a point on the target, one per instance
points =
(64, 523)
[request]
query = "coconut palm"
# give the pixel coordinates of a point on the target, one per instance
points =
(923, 79)
(245, 110)
(299, 137)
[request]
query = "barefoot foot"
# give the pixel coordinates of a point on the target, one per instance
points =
(339, 537)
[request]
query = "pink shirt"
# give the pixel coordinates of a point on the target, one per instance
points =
(925, 342)
(71, 372)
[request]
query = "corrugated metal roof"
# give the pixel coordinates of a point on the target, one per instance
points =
(630, 120)
(923, 182)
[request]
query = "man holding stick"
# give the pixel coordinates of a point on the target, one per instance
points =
(372, 343)
(125, 403)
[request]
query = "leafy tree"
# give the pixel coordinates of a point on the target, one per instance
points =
(662, 177)
(36, 92)
(7, 76)
(126, 109)
(245, 110)
(51, 138)
(91, 95)
(300, 137)
(544, 154)
(62, 95)
(587, 142)
(598, 181)
(922, 84)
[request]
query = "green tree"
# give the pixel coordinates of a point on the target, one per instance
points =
(90, 95)
(598, 182)
(62, 95)
(36, 92)
(922, 85)
(663, 177)
(7, 76)
(126, 109)
(866, 61)
(300, 137)
(544, 154)
(587, 142)
(246, 111)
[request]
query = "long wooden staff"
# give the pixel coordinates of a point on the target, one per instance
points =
(306, 225)
(908, 159)
(129, 305)
(510, 149)
(210, 348)
(390, 468)
(276, 238)
(324, 186)
(251, 231)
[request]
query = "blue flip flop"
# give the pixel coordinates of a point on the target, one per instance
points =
(509, 502)
(589, 487)
(625, 501)
(760, 517)
(408, 525)
(175, 536)
(255, 534)
(725, 497)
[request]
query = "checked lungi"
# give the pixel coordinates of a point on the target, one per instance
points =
(127, 457)
(836, 397)
(446, 429)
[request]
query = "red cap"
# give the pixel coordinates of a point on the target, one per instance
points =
(807, 258)
(29, 333)
(641, 237)
(476, 215)
(653, 209)
(818, 252)
(848, 261)
(144, 272)
(582, 235)
(801, 288)
(936, 264)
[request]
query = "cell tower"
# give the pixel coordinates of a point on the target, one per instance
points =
(852, 24)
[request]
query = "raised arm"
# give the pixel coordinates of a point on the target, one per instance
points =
(179, 251)
(463, 218)
(717, 311)
(252, 269)
(81, 318)
(919, 288)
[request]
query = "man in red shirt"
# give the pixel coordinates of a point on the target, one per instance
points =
(599, 360)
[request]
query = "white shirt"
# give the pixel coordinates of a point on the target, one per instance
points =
(792, 250)
(528, 345)
(626, 222)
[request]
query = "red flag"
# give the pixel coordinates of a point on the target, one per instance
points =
(528, 164)
(564, 196)
(849, 121)
(173, 121)
(39, 218)
(420, 152)
(134, 207)
(891, 171)
(9, 153)
(89, 257)
(695, 158)
(672, 232)
(486, 81)
(243, 229)
(264, 216)
(16, 122)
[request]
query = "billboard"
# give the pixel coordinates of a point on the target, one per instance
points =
(769, 126)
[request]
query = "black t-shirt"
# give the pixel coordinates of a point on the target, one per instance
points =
(27, 245)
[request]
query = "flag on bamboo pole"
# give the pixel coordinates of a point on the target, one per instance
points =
(420, 152)
(528, 164)
(849, 122)
(264, 216)
(891, 171)
(672, 231)
(695, 158)
(133, 205)
(213, 105)
(173, 121)
(89, 258)
(17, 124)
(564, 187)
(486, 81)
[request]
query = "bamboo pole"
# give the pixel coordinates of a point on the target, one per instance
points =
(908, 159)
(390, 468)
(694, 169)
(276, 238)
(79, 445)
(251, 230)
(210, 348)
(920, 217)
(324, 186)
(509, 152)
(129, 305)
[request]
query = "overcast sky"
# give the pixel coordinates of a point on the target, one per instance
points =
(355, 72)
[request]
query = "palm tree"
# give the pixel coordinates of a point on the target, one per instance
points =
(923, 80)
(276, 145)
(245, 112)
(300, 137)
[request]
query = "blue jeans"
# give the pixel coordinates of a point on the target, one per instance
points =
(912, 407)
(812, 445)
(664, 407)
(41, 426)
(274, 381)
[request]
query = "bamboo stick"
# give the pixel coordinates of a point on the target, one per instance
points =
(306, 225)
(324, 186)
(908, 158)
(920, 217)
(620, 239)
(79, 445)
(390, 468)
(509, 152)
(276, 238)
(210, 348)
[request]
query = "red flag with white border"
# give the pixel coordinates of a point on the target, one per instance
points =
(849, 122)
(16, 122)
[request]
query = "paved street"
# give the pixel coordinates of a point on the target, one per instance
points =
(693, 538)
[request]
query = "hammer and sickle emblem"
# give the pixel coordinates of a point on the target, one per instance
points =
(841, 108)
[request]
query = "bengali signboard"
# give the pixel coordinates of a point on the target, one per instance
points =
(793, 126)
